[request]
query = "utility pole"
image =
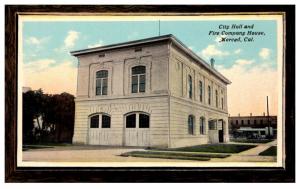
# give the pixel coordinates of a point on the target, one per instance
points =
(158, 27)
(269, 134)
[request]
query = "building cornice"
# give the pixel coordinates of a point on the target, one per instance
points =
(105, 98)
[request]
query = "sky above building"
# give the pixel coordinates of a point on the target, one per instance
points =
(251, 66)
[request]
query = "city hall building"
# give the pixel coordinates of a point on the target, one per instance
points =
(149, 92)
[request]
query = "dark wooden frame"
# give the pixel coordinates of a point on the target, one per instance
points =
(143, 174)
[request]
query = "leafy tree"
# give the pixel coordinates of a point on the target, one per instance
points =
(32, 108)
(63, 116)
(53, 115)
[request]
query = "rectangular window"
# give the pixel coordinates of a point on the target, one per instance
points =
(248, 122)
(242, 122)
(134, 84)
(98, 87)
(142, 83)
(237, 122)
(104, 86)
(212, 125)
(254, 122)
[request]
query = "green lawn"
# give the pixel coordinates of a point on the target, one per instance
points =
(173, 155)
(243, 140)
(31, 147)
(272, 151)
(213, 148)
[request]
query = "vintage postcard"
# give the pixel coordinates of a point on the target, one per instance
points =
(160, 90)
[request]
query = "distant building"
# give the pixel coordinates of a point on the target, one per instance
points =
(26, 89)
(149, 92)
(253, 126)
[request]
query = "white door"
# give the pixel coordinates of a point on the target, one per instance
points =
(98, 136)
(137, 131)
(99, 130)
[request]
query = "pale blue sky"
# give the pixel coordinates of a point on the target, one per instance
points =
(251, 66)
(192, 33)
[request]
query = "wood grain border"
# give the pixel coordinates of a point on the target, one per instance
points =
(142, 174)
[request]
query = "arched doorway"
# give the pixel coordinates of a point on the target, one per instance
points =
(137, 129)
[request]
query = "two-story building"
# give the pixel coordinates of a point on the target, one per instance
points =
(149, 92)
(253, 126)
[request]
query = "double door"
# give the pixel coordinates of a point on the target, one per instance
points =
(137, 130)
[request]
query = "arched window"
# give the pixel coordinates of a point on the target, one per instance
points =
(217, 99)
(201, 90)
(143, 121)
(202, 125)
(138, 79)
(222, 103)
(137, 120)
(131, 121)
(94, 121)
(191, 124)
(190, 87)
(100, 120)
(101, 82)
(209, 95)
(105, 121)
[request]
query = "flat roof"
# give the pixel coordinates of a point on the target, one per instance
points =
(168, 37)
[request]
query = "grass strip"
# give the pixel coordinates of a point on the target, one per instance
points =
(173, 155)
(272, 151)
(262, 141)
(213, 148)
(196, 154)
(44, 145)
